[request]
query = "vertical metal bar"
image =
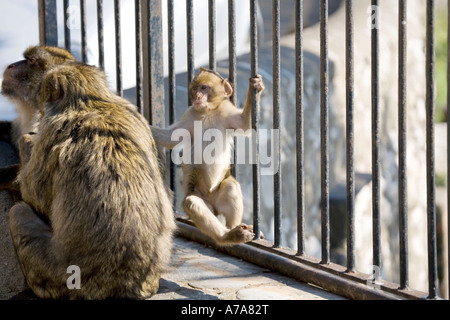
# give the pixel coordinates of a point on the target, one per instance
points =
(324, 106)
(276, 116)
(255, 119)
(232, 47)
(83, 31)
(299, 127)
(212, 34)
(138, 29)
(375, 139)
(152, 58)
(172, 85)
(232, 65)
(119, 88)
(190, 43)
(66, 25)
(171, 59)
(101, 45)
(48, 31)
(431, 186)
(350, 76)
(402, 140)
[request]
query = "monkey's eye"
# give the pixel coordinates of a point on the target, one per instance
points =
(204, 87)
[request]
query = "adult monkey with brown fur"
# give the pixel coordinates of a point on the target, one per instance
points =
(93, 173)
(210, 188)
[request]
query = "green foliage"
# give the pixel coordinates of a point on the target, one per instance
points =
(441, 180)
(441, 64)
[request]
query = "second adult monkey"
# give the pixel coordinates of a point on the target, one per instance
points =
(209, 187)
(93, 194)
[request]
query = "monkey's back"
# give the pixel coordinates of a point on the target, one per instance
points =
(102, 190)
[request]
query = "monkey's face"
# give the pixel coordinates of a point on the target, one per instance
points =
(200, 96)
(208, 91)
(17, 81)
(22, 79)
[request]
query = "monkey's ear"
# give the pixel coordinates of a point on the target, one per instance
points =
(52, 88)
(228, 89)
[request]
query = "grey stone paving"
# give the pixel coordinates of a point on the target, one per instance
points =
(201, 273)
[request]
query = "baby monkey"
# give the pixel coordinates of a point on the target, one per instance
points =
(210, 189)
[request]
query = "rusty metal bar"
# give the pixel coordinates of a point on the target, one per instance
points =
(66, 25)
(48, 29)
(402, 143)
(375, 138)
(431, 182)
(212, 33)
(232, 47)
(300, 146)
(190, 43)
(101, 44)
(138, 37)
(232, 65)
(83, 31)
(117, 23)
(324, 137)
(172, 86)
(152, 57)
(255, 120)
(276, 117)
(350, 135)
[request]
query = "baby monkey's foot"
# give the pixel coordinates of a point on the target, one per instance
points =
(241, 233)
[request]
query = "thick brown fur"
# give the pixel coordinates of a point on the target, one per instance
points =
(210, 188)
(93, 174)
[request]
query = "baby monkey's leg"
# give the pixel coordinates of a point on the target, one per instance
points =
(200, 212)
(229, 202)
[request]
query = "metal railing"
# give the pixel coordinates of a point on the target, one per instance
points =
(343, 280)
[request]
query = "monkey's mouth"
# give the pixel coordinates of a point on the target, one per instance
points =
(5, 89)
(200, 105)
